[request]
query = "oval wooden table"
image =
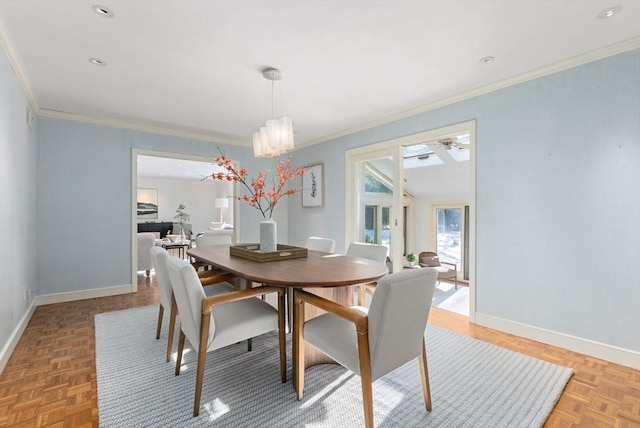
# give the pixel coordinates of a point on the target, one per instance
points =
(327, 275)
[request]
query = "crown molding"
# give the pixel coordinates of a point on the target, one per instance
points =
(138, 127)
(611, 50)
(16, 64)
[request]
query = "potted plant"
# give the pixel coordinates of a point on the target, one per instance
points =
(181, 218)
(412, 258)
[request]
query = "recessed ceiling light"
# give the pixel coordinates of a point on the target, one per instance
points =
(97, 61)
(102, 11)
(609, 12)
(486, 60)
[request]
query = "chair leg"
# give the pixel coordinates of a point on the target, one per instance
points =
(298, 346)
(159, 328)
(172, 326)
(180, 349)
(281, 335)
(205, 321)
(365, 378)
(424, 372)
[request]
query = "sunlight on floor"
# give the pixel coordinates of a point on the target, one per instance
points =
(448, 298)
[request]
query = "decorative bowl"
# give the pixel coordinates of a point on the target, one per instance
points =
(173, 238)
(216, 225)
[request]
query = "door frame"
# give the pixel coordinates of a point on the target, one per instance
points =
(135, 152)
(352, 196)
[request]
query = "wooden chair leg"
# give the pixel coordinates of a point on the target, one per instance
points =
(180, 349)
(281, 335)
(172, 326)
(298, 346)
(205, 321)
(365, 378)
(159, 328)
(424, 372)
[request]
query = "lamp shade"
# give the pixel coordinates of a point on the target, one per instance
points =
(274, 138)
(222, 203)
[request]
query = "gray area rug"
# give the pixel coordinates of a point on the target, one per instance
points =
(473, 384)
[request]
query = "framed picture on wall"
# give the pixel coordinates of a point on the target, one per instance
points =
(147, 204)
(313, 186)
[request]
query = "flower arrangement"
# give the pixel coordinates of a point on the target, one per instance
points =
(412, 258)
(258, 194)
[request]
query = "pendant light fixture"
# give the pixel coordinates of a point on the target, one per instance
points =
(276, 136)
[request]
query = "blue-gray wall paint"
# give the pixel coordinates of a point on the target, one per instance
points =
(18, 171)
(558, 196)
(84, 201)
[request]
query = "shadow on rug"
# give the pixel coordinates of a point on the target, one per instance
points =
(473, 384)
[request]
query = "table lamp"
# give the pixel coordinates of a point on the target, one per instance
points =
(221, 203)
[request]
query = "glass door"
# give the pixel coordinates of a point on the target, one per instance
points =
(451, 238)
(377, 203)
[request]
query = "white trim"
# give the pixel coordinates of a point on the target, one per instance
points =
(614, 354)
(14, 59)
(138, 127)
(71, 296)
(371, 151)
(135, 152)
(6, 352)
(576, 61)
(607, 51)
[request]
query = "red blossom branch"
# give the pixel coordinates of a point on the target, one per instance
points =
(258, 196)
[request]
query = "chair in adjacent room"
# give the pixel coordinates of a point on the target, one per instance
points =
(431, 259)
(214, 237)
(210, 323)
(325, 245)
(211, 237)
(370, 342)
(375, 252)
(159, 261)
(146, 240)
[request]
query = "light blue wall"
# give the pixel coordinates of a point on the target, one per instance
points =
(557, 199)
(17, 204)
(84, 201)
(558, 196)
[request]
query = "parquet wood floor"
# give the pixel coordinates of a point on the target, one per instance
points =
(50, 379)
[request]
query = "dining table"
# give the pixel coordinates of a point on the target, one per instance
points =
(328, 275)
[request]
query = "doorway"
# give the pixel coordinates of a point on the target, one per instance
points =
(177, 179)
(417, 164)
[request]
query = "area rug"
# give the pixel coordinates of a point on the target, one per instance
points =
(473, 384)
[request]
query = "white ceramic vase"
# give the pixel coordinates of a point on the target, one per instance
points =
(268, 235)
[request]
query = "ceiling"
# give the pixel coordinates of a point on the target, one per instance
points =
(193, 68)
(175, 169)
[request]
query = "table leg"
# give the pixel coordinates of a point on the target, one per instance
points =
(312, 357)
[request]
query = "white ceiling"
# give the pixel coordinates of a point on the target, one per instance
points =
(193, 68)
(175, 169)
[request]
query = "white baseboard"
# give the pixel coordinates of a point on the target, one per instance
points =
(8, 348)
(55, 298)
(625, 357)
(71, 296)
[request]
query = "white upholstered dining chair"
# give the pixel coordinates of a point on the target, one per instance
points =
(371, 342)
(210, 323)
(325, 245)
(375, 252)
(213, 281)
